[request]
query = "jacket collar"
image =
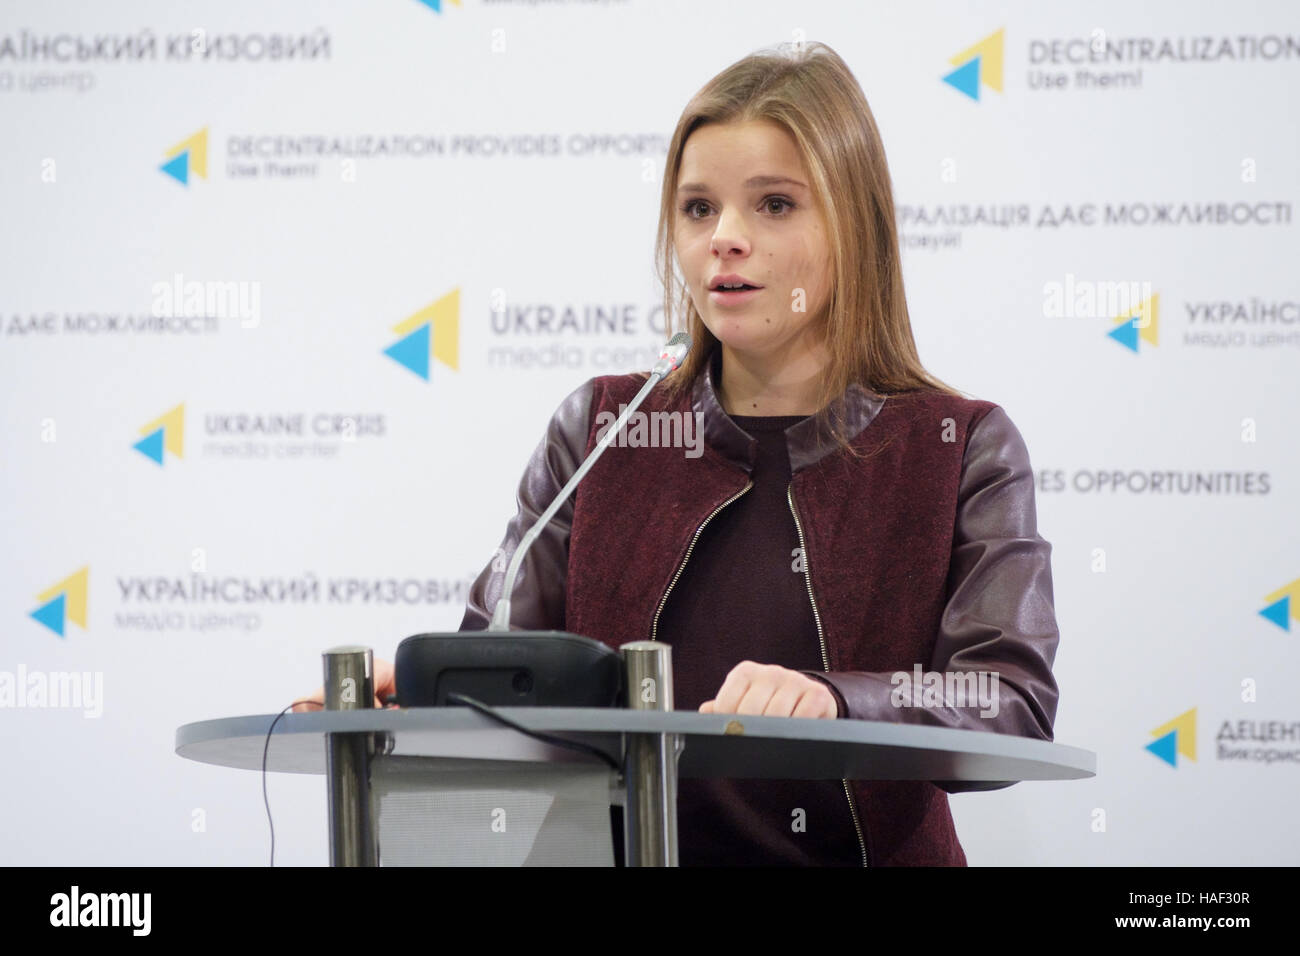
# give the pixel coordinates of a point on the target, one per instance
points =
(806, 442)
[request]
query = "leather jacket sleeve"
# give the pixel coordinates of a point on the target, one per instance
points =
(999, 615)
(538, 599)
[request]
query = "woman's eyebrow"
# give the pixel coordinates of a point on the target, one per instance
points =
(752, 183)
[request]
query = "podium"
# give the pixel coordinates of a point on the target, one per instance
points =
(652, 747)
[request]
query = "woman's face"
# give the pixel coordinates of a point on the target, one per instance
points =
(745, 207)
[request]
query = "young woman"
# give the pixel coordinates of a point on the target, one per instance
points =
(851, 518)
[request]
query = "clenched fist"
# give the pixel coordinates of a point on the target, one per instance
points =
(769, 690)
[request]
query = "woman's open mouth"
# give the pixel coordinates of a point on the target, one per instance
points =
(727, 297)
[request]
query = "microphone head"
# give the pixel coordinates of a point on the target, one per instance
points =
(673, 354)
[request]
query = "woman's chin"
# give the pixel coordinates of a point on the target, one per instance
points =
(740, 333)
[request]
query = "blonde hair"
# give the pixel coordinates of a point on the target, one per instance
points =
(809, 91)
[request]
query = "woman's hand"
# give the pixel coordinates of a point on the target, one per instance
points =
(385, 686)
(768, 690)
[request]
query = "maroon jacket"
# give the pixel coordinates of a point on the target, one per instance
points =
(924, 553)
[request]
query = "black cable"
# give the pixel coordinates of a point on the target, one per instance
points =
(577, 745)
(265, 748)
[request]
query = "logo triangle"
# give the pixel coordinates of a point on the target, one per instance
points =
(1279, 612)
(151, 446)
(412, 351)
(178, 168)
(1126, 334)
(1166, 748)
(966, 79)
(51, 614)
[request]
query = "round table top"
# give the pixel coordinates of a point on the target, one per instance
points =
(714, 745)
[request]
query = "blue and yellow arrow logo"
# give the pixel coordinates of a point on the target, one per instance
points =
(436, 5)
(976, 65)
(1284, 604)
(434, 330)
(164, 433)
(189, 155)
(66, 601)
(1142, 323)
(1174, 738)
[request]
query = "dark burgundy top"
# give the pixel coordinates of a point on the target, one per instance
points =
(743, 596)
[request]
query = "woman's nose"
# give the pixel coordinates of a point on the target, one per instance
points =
(729, 236)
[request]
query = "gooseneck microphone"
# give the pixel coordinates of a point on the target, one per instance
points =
(672, 356)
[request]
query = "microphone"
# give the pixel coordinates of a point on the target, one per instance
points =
(673, 354)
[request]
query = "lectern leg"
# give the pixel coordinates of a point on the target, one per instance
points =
(349, 685)
(650, 760)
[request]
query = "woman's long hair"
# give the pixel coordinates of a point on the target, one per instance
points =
(809, 91)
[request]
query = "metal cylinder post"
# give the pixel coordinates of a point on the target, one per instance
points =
(650, 760)
(350, 685)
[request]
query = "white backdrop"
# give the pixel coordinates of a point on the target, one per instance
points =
(493, 160)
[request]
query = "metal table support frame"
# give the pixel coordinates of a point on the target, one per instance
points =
(350, 685)
(649, 760)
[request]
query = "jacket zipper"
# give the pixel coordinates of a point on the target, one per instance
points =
(654, 629)
(826, 662)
